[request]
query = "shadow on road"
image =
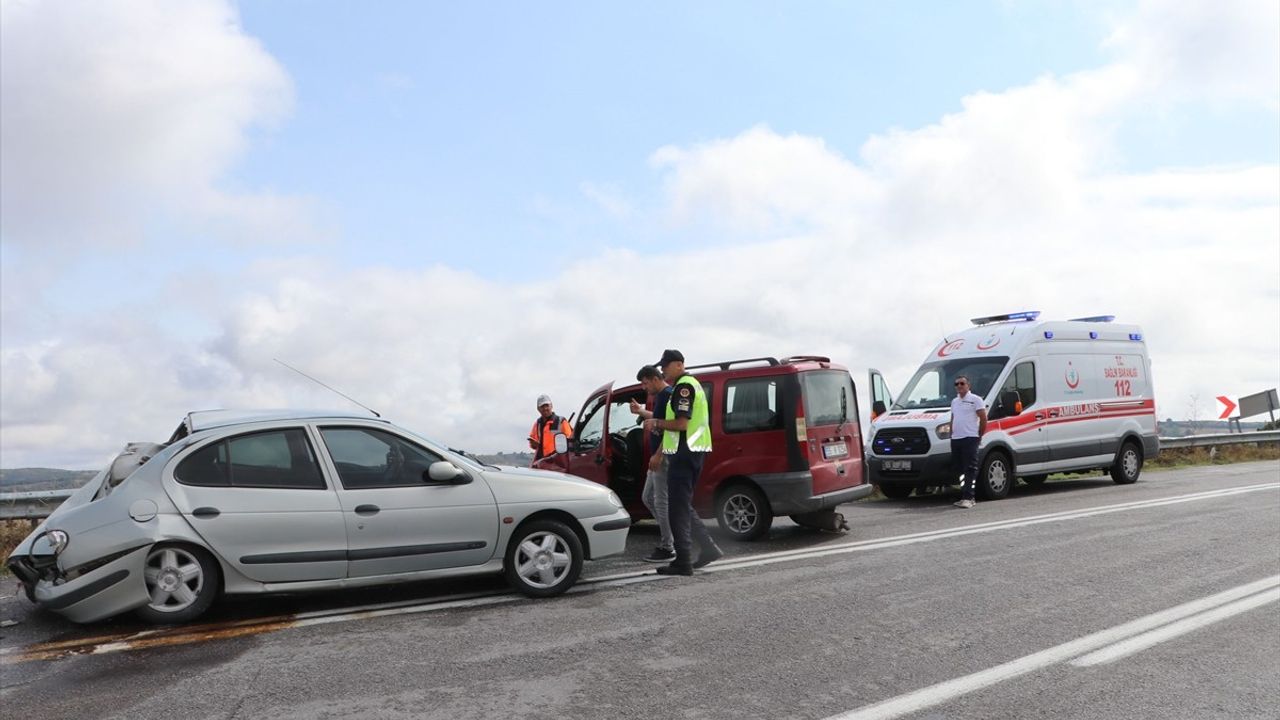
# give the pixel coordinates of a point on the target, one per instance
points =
(943, 497)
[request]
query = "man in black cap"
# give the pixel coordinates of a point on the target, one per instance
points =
(686, 441)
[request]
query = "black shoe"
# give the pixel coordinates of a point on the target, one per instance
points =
(661, 555)
(674, 569)
(709, 554)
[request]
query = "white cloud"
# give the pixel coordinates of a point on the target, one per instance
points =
(118, 113)
(1228, 50)
(763, 183)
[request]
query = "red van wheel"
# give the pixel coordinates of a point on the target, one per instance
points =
(743, 512)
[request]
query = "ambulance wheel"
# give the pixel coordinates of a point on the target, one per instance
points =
(897, 492)
(1128, 464)
(996, 476)
(1035, 479)
(743, 512)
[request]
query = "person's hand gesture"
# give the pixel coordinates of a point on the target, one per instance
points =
(635, 407)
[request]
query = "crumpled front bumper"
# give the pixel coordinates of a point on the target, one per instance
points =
(118, 586)
(607, 534)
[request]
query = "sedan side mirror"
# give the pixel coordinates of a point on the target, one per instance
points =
(445, 472)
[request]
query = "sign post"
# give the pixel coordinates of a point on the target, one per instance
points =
(1258, 403)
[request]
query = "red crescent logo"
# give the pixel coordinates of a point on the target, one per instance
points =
(989, 343)
(1072, 377)
(950, 347)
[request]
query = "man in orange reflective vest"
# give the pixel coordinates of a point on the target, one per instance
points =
(542, 438)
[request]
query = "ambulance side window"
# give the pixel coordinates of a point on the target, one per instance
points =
(1023, 381)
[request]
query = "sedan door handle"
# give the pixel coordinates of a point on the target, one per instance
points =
(206, 512)
(367, 509)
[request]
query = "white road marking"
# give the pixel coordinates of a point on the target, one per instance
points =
(842, 548)
(497, 597)
(944, 691)
(1133, 645)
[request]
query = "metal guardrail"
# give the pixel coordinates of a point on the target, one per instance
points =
(1221, 439)
(38, 504)
(35, 505)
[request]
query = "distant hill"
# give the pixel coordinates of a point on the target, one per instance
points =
(1182, 428)
(31, 479)
(519, 459)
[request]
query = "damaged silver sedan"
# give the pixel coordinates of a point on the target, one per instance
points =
(264, 502)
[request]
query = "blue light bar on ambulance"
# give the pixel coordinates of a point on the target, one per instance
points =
(1027, 315)
(1137, 337)
(1093, 334)
(1095, 318)
(1048, 334)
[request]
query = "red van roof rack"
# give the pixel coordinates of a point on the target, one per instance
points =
(805, 358)
(730, 363)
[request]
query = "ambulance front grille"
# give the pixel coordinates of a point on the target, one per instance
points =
(901, 441)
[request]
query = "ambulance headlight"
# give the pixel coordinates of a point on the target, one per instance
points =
(943, 431)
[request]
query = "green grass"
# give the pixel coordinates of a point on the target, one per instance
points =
(1221, 455)
(12, 532)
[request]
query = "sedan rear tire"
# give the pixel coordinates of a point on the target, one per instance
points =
(544, 558)
(182, 581)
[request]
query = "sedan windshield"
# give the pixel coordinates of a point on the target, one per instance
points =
(932, 385)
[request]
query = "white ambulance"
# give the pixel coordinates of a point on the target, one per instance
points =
(1061, 396)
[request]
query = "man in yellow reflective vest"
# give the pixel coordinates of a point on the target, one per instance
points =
(686, 440)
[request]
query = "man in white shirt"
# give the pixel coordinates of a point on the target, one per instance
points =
(968, 423)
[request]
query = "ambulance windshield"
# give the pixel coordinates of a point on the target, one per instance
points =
(932, 386)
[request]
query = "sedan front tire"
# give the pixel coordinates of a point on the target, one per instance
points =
(544, 558)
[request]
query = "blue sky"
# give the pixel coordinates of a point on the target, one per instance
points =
(447, 210)
(447, 123)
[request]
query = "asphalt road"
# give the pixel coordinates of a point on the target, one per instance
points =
(1080, 599)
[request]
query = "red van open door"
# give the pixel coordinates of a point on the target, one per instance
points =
(588, 455)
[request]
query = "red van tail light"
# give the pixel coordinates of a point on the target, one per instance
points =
(802, 431)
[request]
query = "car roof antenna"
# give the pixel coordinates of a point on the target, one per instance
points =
(326, 387)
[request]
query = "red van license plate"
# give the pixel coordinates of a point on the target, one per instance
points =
(834, 450)
(897, 464)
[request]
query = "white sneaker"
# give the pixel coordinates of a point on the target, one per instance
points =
(966, 504)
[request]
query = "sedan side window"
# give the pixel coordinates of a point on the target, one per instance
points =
(368, 458)
(273, 459)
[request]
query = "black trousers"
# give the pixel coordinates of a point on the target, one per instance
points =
(964, 458)
(683, 470)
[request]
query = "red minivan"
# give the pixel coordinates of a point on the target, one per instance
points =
(786, 440)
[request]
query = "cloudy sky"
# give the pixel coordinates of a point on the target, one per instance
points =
(445, 211)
